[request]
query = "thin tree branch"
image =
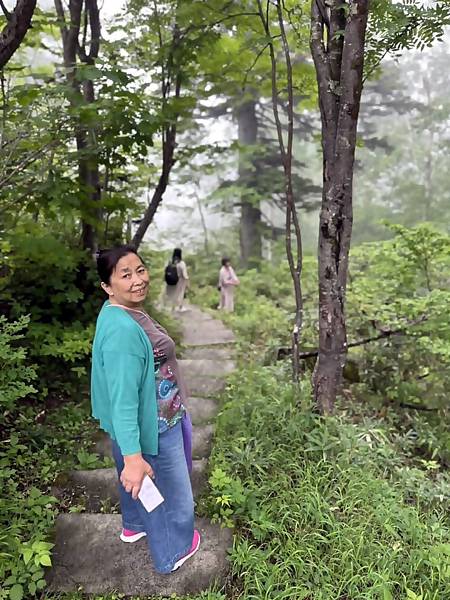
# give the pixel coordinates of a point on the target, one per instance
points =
(276, 115)
(322, 64)
(25, 163)
(85, 29)
(4, 109)
(61, 18)
(286, 159)
(5, 11)
(252, 66)
(95, 29)
(291, 211)
(91, 21)
(18, 23)
(169, 133)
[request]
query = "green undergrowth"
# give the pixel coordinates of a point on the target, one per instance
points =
(206, 595)
(345, 508)
(324, 509)
(37, 444)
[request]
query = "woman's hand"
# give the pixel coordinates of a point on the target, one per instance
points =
(134, 472)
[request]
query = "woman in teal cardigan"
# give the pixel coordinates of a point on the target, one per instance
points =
(137, 394)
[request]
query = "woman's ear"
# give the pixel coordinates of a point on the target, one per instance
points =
(107, 288)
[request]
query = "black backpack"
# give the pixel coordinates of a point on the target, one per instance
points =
(171, 274)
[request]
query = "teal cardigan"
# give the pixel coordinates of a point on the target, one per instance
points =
(123, 390)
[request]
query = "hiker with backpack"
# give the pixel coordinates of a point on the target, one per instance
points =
(177, 279)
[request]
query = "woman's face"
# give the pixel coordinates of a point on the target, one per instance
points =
(129, 282)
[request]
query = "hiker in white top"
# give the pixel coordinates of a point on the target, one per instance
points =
(175, 292)
(228, 280)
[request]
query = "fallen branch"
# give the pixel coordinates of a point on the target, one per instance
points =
(384, 334)
(417, 407)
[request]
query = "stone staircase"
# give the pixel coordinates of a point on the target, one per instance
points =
(88, 553)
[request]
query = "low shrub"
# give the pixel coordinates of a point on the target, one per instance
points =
(16, 373)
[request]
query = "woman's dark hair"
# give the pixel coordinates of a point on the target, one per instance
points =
(225, 260)
(176, 256)
(107, 260)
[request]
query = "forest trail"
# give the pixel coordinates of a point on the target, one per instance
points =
(88, 552)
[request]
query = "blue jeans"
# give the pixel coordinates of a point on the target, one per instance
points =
(170, 527)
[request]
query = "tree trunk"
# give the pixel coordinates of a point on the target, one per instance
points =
(337, 44)
(18, 23)
(204, 226)
(428, 171)
(88, 164)
(250, 223)
(89, 176)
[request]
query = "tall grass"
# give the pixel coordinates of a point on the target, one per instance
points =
(319, 514)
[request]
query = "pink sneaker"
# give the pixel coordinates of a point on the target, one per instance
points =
(131, 536)
(194, 547)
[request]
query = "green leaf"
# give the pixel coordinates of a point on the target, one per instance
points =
(42, 546)
(45, 560)
(16, 592)
(27, 555)
(27, 96)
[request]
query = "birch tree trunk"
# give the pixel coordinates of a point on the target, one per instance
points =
(337, 44)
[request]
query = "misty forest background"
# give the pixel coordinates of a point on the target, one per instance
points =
(202, 124)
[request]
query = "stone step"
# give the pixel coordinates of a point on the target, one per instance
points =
(199, 476)
(208, 387)
(201, 333)
(193, 313)
(208, 352)
(202, 410)
(97, 489)
(201, 367)
(202, 441)
(88, 554)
